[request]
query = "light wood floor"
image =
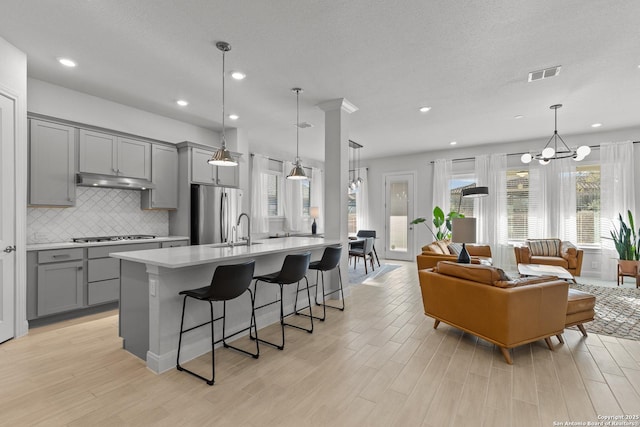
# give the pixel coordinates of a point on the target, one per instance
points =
(379, 363)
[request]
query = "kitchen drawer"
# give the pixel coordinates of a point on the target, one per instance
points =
(104, 251)
(103, 269)
(175, 243)
(58, 255)
(104, 291)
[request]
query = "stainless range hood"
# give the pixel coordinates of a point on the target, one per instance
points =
(108, 181)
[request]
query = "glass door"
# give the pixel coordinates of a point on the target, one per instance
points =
(398, 215)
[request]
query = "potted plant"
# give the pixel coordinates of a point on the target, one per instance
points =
(441, 223)
(627, 245)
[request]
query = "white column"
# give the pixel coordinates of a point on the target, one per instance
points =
(336, 165)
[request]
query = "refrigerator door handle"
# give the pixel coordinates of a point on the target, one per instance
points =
(222, 218)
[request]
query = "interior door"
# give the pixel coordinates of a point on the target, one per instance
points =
(7, 218)
(398, 214)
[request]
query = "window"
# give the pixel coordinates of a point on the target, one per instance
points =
(352, 210)
(275, 184)
(456, 203)
(273, 194)
(306, 193)
(518, 204)
(588, 204)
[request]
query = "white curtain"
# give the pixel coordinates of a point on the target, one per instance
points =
(362, 201)
(552, 200)
(259, 202)
(292, 201)
(617, 195)
(317, 196)
(491, 211)
(442, 172)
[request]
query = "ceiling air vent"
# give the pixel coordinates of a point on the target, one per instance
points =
(544, 74)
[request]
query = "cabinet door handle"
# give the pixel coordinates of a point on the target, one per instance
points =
(79, 267)
(10, 249)
(61, 256)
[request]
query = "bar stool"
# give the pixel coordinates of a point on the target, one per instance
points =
(294, 269)
(330, 260)
(228, 282)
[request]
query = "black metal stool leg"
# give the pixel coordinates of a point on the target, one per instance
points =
(281, 346)
(324, 304)
(213, 360)
(184, 303)
(301, 314)
(251, 323)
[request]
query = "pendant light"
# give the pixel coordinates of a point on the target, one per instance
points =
(298, 171)
(222, 156)
(552, 151)
(358, 179)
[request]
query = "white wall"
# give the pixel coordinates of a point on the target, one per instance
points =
(60, 102)
(421, 162)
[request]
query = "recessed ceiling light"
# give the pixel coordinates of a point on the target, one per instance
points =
(519, 116)
(424, 109)
(182, 102)
(67, 62)
(234, 116)
(453, 142)
(238, 75)
(596, 125)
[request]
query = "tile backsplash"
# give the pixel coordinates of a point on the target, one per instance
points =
(98, 212)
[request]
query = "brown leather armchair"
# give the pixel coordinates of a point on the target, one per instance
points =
(551, 252)
(439, 251)
(478, 299)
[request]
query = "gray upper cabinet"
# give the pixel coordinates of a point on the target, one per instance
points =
(204, 173)
(51, 164)
(98, 152)
(134, 158)
(107, 154)
(164, 174)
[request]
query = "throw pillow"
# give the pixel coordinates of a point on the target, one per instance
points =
(455, 248)
(544, 247)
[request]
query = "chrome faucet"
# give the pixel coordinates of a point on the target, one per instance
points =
(233, 236)
(248, 227)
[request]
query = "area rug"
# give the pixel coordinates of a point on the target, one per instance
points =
(357, 275)
(617, 311)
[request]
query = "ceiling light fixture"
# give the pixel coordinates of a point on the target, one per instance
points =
(67, 62)
(596, 125)
(238, 75)
(552, 151)
(297, 172)
(424, 109)
(453, 142)
(234, 116)
(182, 102)
(222, 156)
(519, 116)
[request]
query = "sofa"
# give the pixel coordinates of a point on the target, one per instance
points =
(482, 301)
(551, 252)
(444, 250)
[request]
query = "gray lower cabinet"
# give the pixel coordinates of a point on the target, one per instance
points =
(59, 284)
(175, 243)
(63, 280)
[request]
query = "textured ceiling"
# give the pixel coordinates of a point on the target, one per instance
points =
(468, 60)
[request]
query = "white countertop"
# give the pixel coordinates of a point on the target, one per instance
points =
(186, 256)
(67, 245)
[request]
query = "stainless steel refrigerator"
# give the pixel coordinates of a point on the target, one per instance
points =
(214, 211)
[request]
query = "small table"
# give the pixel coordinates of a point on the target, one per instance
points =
(545, 270)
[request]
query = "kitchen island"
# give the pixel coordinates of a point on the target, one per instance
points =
(150, 306)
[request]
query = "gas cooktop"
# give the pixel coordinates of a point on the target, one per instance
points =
(112, 238)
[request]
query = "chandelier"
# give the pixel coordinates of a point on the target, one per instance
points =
(354, 178)
(553, 150)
